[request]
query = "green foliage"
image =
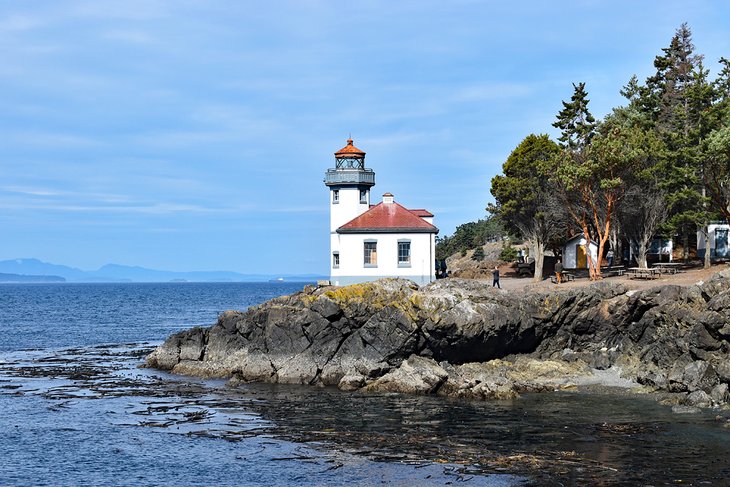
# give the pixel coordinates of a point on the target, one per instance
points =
(575, 122)
(520, 193)
(478, 254)
(661, 161)
(508, 253)
(470, 236)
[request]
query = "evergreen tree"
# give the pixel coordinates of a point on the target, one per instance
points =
(524, 196)
(677, 100)
(575, 122)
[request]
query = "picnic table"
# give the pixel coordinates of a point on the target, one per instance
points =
(668, 267)
(644, 272)
(616, 270)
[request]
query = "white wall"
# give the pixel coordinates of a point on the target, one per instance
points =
(352, 268)
(348, 208)
(714, 251)
(711, 230)
(569, 254)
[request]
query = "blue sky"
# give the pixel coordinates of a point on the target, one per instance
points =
(194, 135)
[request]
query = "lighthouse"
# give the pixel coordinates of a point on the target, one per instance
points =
(372, 241)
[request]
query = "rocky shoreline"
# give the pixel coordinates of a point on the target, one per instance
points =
(461, 338)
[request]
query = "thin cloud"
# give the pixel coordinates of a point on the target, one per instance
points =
(48, 139)
(31, 191)
(19, 23)
(492, 91)
(153, 209)
(319, 209)
(130, 37)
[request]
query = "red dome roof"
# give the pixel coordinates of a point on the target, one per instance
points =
(349, 151)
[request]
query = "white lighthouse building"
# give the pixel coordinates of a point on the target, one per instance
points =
(372, 241)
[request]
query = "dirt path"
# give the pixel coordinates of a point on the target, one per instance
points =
(686, 277)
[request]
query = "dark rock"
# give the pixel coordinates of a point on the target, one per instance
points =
(699, 398)
(352, 382)
(720, 394)
(723, 370)
(416, 375)
(391, 334)
(699, 375)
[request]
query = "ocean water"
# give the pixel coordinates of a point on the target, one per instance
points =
(78, 410)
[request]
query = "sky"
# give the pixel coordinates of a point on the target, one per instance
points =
(194, 135)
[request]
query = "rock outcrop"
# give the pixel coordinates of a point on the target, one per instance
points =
(462, 338)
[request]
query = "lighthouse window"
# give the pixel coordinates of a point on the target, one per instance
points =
(335, 196)
(371, 253)
(335, 260)
(404, 253)
(363, 196)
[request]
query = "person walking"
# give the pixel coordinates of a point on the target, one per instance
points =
(495, 275)
(558, 271)
(609, 257)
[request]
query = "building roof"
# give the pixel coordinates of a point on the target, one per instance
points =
(349, 151)
(388, 218)
(422, 213)
(578, 236)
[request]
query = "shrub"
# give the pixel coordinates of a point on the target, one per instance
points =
(508, 253)
(478, 254)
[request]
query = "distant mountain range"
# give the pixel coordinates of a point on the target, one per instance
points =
(34, 270)
(29, 278)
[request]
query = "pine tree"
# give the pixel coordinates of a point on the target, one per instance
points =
(575, 122)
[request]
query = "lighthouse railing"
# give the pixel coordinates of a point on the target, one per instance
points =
(357, 176)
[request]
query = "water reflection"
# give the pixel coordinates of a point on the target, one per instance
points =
(592, 438)
(556, 438)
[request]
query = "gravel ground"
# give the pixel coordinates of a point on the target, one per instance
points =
(686, 277)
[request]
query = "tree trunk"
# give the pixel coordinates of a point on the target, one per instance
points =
(538, 249)
(615, 244)
(708, 255)
(589, 257)
(685, 243)
(641, 257)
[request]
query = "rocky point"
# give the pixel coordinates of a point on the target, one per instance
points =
(462, 338)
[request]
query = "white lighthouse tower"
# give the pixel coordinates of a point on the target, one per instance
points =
(349, 183)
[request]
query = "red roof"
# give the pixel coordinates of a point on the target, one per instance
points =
(349, 150)
(422, 213)
(388, 218)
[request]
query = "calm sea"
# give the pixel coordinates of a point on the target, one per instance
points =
(77, 410)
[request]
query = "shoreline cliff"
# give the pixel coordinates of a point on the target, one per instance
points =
(462, 338)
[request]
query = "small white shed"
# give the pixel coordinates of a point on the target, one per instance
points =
(575, 253)
(718, 237)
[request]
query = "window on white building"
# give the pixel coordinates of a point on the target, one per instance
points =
(404, 253)
(371, 253)
(363, 196)
(335, 260)
(335, 196)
